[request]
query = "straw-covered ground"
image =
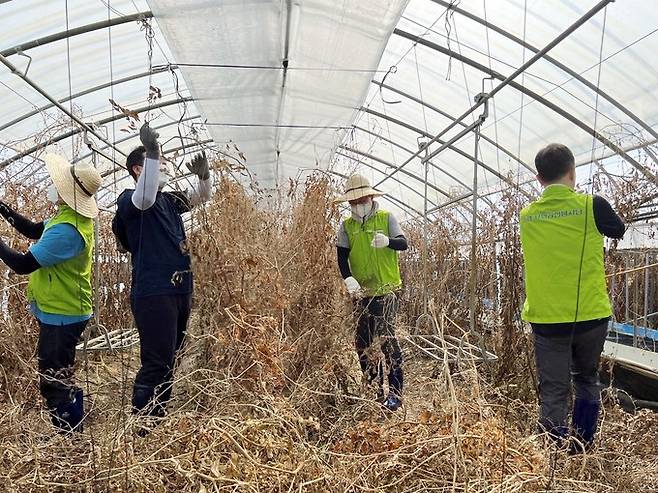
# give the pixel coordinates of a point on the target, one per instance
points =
(268, 396)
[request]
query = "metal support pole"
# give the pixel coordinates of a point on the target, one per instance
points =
(481, 98)
(424, 145)
(636, 307)
(646, 292)
(55, 103)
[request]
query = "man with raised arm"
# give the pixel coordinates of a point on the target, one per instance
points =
(367, 247)
(59, 289)
(148, 224)
(567, 301)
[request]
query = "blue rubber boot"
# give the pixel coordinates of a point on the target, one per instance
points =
(68, 416)
(584, 420)
(396, 381)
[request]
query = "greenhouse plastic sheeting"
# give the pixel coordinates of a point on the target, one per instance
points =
(97, 58)
(389, 71)
(332, 48)
(518, 125)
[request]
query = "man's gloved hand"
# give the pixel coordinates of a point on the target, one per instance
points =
(353, 286)
(149, 138)
(379, 241)
(199, 166)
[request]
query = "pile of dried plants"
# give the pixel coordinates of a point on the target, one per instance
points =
(268, 394)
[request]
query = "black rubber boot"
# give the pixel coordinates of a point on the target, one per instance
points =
(68, 416)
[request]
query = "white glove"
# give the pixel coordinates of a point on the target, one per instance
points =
(352, 285)
(379, 241)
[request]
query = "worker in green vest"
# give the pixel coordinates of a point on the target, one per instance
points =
(59, 288)
(567, 300)
(367, 246)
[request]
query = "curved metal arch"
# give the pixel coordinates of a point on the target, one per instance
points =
(537, 97)
(467, 187)
(85, 92)
(374, 168)
(399, 146)
(402, 205)
(352, 158)
(554, 62)
(168, 151)
(465, 154)
(51, 38)
(134, 136)
(77, 131)
(391, 165)
(386, 163)
(450, 117)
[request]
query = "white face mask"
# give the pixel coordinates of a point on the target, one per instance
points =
(52, 194)
(361, 210)
(163, 179)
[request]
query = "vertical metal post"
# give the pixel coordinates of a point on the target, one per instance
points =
(473, 257)
(97, 307)
(636, 307)
(626, 307)
(646, 292)
(423, 145)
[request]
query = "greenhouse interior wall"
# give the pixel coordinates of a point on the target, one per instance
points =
(442, 106)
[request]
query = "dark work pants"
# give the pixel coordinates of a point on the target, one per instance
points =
(377, 319)
(56, 357)
(563, 360)
(161, 322)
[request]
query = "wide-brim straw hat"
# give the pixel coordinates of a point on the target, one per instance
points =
(76, 184)
(356, 187)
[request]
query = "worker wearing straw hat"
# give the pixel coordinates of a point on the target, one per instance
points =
(59, 288)
(367, 245)
(567, 300)
(148, 224)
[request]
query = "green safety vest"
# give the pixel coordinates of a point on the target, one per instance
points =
(65, 288)
(376, 269)
(564, 281)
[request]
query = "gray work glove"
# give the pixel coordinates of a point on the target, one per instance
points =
(149, 138)
(199, 166)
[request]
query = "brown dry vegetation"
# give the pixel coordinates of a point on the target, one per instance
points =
(268, 395)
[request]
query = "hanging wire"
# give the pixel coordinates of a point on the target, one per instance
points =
(556, 86)
(75, 203)
(448, 22)
(404, 55)
(124, 362)
(147, 28)
(493, 100)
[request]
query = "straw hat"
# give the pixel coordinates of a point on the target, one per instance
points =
(356, 187)
(76, 184)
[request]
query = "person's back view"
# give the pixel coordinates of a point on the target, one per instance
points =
(567, 300)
